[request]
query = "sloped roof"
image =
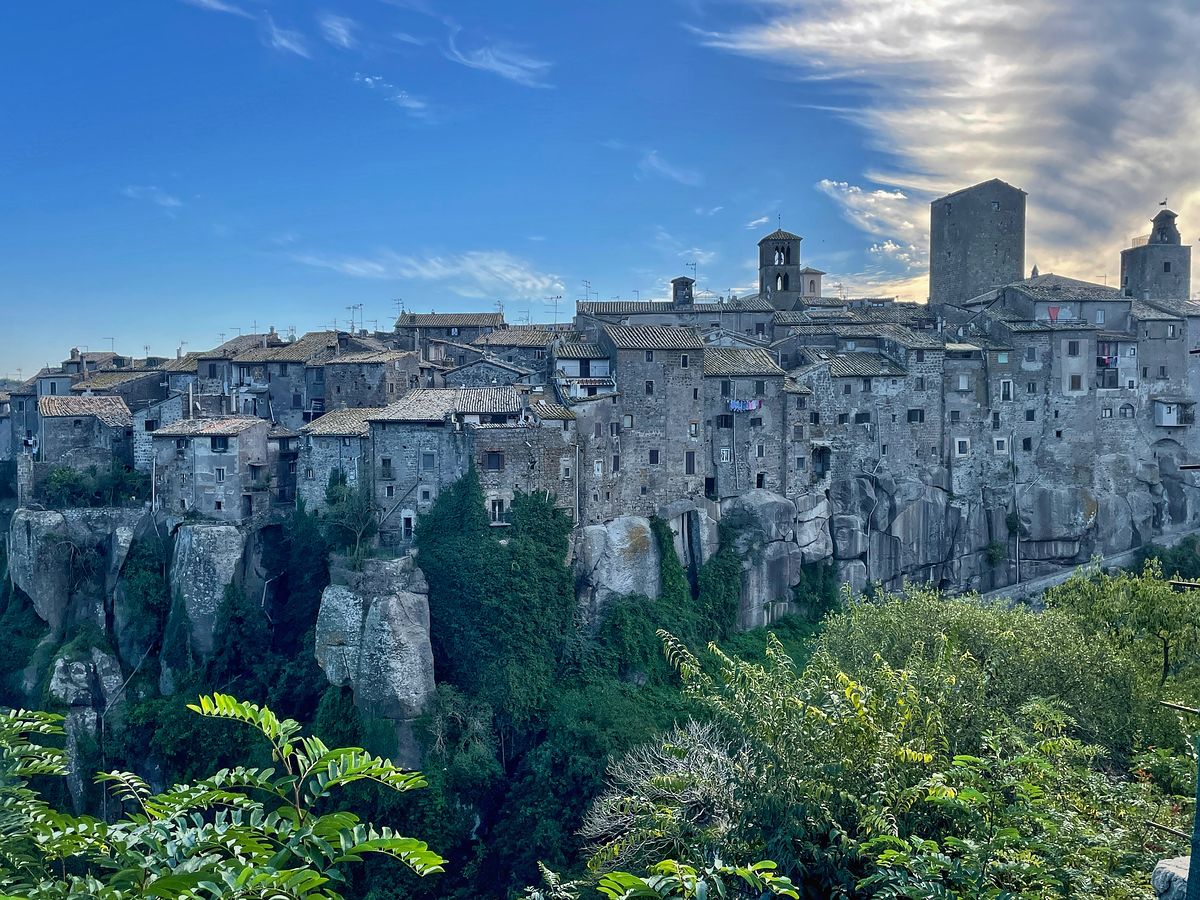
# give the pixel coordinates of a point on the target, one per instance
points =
(579, 350)
(240, 344)
(488, 400)
(856, 365)
(226, 426)
(369, 357)
(343, 422)
(550, 410)
(1181, 308)
(780, 235)
(186, 363)
(653, 337)
(488, 360)
(1146, 312)
(979, 185)
(106, 381)
(419, 405)
(516, 337)
(740, 361)
(451, 320)
(316, 346)
(1059, 287)
(110, 411)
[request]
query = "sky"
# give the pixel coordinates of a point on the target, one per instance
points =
(174, 171)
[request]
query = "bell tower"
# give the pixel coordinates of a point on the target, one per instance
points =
(1159, 265)
(780, 276)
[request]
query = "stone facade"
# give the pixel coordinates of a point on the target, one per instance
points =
(976, 241)
(216, 468)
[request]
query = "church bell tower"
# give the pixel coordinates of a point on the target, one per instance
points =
(780, 276)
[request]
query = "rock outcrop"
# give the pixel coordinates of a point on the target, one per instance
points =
(1170, 878)
(206, 560)
(373, 636)
(90, 686)
(614, 560)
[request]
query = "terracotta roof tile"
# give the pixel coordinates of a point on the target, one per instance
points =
(653, 337)
(343, 422)
(111, 411)
(738, 361)
(226, 426)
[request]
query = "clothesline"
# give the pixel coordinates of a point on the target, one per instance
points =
(744, 405)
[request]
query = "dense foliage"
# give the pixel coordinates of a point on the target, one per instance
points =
(119, 485)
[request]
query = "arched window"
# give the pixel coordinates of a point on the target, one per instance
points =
(1126, 411)
(812, 285)
(779, 283)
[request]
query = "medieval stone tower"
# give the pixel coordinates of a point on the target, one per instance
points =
(976, 241)
(1158, 266)
(781, 278)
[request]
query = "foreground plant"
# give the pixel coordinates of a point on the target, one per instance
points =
(242, 833)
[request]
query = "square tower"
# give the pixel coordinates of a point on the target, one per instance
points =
(1159, 265)
(976, 241)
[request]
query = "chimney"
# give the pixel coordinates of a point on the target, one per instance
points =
(179, 353)
(75, 353)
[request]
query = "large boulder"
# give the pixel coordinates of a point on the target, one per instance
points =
(68, 562)
(771, 514)
(373, 636)
(90, 685)
(206, 560)
(616, 559)
(812, 532)
(1170, 878)
(849, 536)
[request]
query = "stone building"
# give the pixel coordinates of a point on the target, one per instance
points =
(81, 432)
(214, 372)
(582, 369)
(486, 371)
(782, 281)
(372, 378)
(1159, 265)
(527, 348)
(147, 419)
(414, 331)
(6, 443)
(215, 468)
(338, 441)
(976, 241)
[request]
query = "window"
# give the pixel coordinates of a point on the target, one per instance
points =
(1058, 434)
(800, 463)
(425, 494)
(1000, 445)
(801, 402)
(760, 451)
(1077, 382)
(955, 415)
(760, 388)
(1099, 317)
(916, 416)
(843, 418)
(726, 388)
(1106, 412)
(453, 332)
(1170, 331)
(297, 402)
(649, 388)
(797, 432)
(693, 429)
(964, 382)
(725, 421)
(385, 467)
(1006, 389)
(654, 457)
(866, 385)
(1072, 348)
(726, 454)
(53, 388)
(920, 354)
(683, 360)
(1002, 357)
(846, 388)
(494, 461)
(862, 418)
(756, 422)
(1145, 372)
(962, 446)
(283, 368)
(1027, 444)
(995, 421)
(497, 511)
(219, 472)
(219, 505)
(616, 463)
(218, 444)
(883, 450)
(597, 467)
(613, 429)
(1167, 266)
(1162, 371)
(389, 491)
(814, 418)
(597, 430)
(1126, 411)
(428, 462)
(309, 475)
(996, 205)
(1030, 415)
(689, 462)
(1031, 387)
(760, 480)
(920, 385)
(649, 356)
(212, 370)
(77, 423)
(1132, 351)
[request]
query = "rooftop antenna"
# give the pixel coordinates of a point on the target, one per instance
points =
(587, 289)
(555, 300)
(691, 265)
(237, 329)
(500, 307)
(399, 301)
(112, 344)
(222, 337)
(374, 324)
(1105, 277)
(637, 293)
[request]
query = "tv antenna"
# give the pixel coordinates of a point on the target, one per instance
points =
(637, 293)
(554, 300)
(112, 344)
(587, 289)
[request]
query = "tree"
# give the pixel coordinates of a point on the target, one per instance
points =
(241, 833)
(351, 519)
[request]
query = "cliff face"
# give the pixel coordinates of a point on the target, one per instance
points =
(373, 636)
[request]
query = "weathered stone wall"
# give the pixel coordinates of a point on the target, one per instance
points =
(320, 457)
(532, 459)
(164, 413)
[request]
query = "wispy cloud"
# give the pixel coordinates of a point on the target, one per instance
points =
(286, 40)
(652, 163)
(476, 274)
(219, 6)
(707, 211)
(414, 106)
(1025, 90)
(757, 223)
(150, 193)
(500, 59)
(405, 38)
(339, 31)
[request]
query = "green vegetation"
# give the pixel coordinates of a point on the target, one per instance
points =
(67, 488)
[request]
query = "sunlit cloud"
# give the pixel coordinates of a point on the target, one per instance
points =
(500, 59)
(220, 6)
(1034, 92)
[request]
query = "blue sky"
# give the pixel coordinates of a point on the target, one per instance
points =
(175, 170)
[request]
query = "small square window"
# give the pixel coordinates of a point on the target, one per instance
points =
(494, 461)
(654, 457)
(219, 505)
(760, 388)
(649, 388)
(955, 415)
(1002, 357)
(845, 388)
(760, 451)
(756, 422)
(1106, 412)
(649, 356)
(389, 491)
(425, 494)
(220, 473)
(726, 454)
(843, 418)
(1030, 415)
(626, 421)
(693, 429)
(683, 360)
(1027, 444)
